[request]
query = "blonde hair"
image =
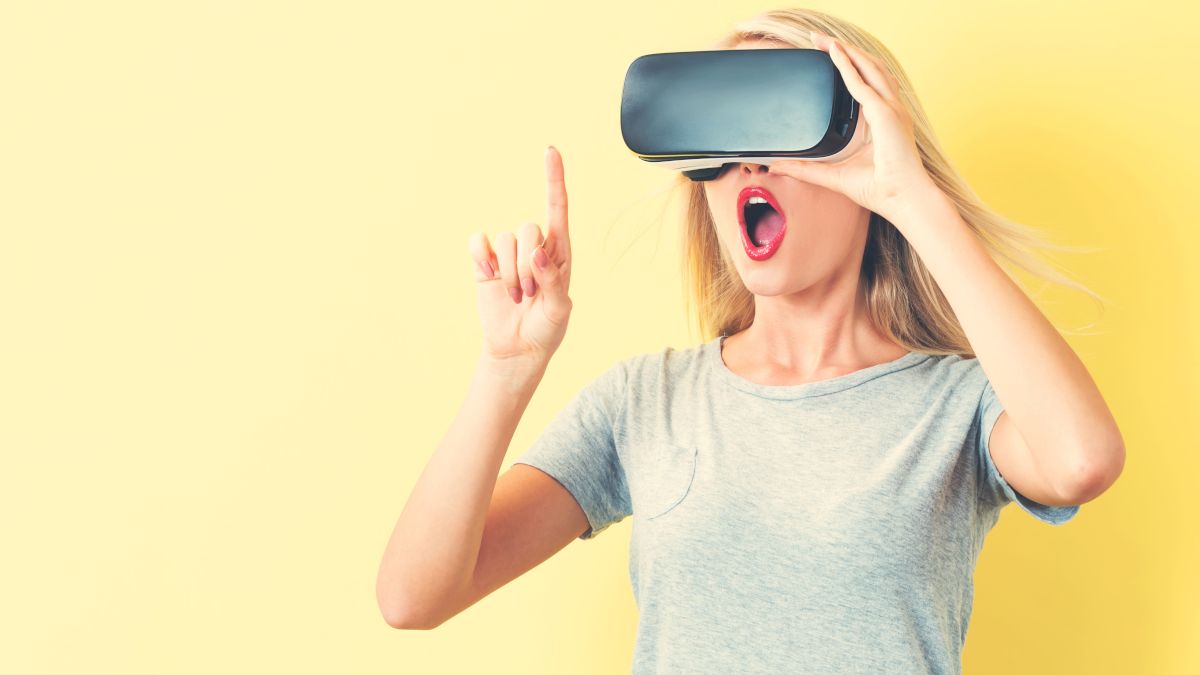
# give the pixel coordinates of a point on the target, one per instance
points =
(902, 297)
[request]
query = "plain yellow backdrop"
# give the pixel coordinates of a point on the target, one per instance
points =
(239, 314)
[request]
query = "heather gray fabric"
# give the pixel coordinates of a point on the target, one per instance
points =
(831, 526)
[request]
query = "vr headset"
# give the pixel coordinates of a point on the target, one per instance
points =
(697, 111)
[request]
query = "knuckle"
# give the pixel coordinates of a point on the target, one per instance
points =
(508, 271)
(477, 245)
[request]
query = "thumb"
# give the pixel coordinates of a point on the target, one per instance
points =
(550, 284)
(817, 173)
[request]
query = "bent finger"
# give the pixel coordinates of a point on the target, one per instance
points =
(529, 237)
(863, 92)
(506, 254)
(480, 251)
(870, 69)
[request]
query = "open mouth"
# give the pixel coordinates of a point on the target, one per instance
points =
(762, 220)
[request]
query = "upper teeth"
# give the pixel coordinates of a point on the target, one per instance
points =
(756, 200)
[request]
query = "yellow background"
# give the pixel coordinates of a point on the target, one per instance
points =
(239, 315)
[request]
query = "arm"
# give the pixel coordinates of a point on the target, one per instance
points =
(1060, 445)
(461, 533)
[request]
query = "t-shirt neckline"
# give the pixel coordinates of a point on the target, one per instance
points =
(807, 389)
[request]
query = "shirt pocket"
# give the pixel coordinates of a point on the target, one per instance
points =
(665, 479)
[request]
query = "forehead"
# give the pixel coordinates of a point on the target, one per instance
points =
(759, 43)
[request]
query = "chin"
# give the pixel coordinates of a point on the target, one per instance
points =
(770, 284)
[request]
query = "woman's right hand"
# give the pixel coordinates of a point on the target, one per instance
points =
(518, 327)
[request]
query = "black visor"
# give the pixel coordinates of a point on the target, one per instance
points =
(697, 111)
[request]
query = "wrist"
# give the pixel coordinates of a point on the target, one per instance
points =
(514, 373)
(918, 203)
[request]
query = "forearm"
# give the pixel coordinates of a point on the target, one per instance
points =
(435, 543)
(1044, 386)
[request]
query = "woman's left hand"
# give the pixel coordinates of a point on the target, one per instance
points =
(886, 172)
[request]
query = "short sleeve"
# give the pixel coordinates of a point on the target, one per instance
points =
(995, 488)
(578, 449)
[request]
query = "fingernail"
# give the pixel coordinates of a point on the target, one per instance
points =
(527, 286)
(539, 257)
(515, 294)
(486, 268)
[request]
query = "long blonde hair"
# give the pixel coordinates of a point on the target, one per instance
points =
(902, 297)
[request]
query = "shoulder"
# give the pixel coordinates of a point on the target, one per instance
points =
(663, 366)
(954, 369)
(948, 381)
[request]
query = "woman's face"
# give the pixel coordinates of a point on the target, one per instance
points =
(823, 231)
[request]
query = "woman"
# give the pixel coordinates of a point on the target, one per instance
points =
(811, 487)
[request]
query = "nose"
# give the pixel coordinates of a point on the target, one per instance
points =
(752, 168)
(746, 168)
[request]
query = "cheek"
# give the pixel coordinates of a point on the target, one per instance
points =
(722, 209)
(824, 246)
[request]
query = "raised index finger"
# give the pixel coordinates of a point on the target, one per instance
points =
(558, 240)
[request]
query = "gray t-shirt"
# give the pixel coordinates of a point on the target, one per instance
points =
(831, 526)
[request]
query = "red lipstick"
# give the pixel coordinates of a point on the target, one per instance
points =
(768, 249)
